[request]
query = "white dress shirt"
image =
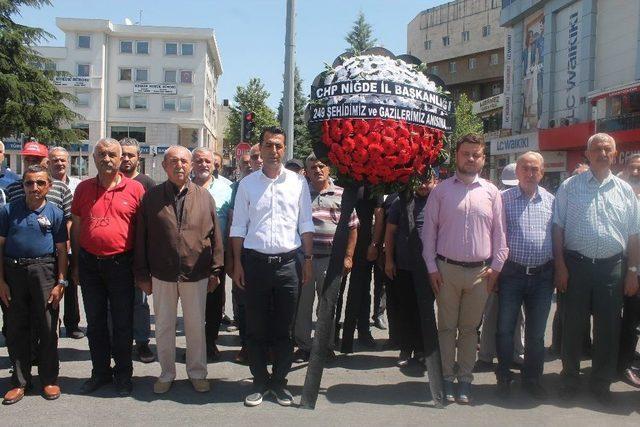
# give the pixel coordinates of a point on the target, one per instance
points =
(272, 214)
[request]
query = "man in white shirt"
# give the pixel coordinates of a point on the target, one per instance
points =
(271, 220)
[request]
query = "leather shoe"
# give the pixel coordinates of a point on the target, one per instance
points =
(51, 392)
(535, 390)
(124, 387)
(94, 383)
(201, 385)
(242, 356)
(631, 377)
(161, 387)
(76, 334)
(504, 389)
(379, 323)
(13, 396)
(367, 341)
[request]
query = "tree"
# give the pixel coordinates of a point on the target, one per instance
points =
(252, 97)
(360, 37)
(302, 141)
(30, 103)
(465, 122)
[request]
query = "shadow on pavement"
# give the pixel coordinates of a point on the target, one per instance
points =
(412, 393)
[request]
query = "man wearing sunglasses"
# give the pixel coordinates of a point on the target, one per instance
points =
(33, 246)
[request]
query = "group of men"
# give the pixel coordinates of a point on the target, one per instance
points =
(272, 231)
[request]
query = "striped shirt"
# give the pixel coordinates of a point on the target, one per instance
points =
(59, 194)
(597, 217)
(528, 226)
(326, 206)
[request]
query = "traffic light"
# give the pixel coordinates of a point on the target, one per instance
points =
(247, 126)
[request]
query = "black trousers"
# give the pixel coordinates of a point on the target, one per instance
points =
(271, 298)
(213, 313)
(358, 309)
(30, 286)
(107, 287)
(402, 296)
(379, 294)
(241, 314)
(629, 332)
(71, 317)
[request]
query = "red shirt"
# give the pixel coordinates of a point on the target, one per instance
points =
(107, 217)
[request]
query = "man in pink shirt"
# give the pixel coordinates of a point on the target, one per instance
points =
(464, 249)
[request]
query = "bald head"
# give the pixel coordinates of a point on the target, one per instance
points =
(177, 150)
(177, 164)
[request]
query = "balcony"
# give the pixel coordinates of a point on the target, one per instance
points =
(619, 123)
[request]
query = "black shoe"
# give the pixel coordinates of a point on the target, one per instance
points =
(567, 392)
(379, 323)
(283, 396)
(483, 366)
(535, 390)
(124, 387)
(301, 356)
(255, 398)
(517, 365)
(74, 333)
(144, 353)
(403, 359)
(367, 341)
(225, 320)
(420, 358)
(94, 383)
(504, 389)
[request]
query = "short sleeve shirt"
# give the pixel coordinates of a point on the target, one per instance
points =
(59, 194)
(107, 216)
(31, 233)
(326, 207)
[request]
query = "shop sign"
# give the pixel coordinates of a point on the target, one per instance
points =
(159, 88)
(514, 144)
(71, 81)
(488, 104)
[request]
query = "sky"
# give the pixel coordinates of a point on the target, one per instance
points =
(251, 33)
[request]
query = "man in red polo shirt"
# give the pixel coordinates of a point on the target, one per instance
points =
(102, 237)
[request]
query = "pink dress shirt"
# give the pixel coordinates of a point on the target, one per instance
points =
(464, 223)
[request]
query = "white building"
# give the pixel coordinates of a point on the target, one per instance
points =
(156, 84)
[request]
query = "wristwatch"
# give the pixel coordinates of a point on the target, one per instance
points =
(308, 257)
(633, 269)
(63, 282)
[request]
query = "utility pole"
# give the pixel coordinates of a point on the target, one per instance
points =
(289, 67)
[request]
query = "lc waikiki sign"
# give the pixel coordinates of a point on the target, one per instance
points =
(514, 144)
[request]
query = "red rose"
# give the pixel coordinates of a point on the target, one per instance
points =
(348, 144)
(361, 127)
(389, 132)
(374, 138)
(347, 128)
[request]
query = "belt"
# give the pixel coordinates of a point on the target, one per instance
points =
(271, 259)
(115, 257)
(578, 256)
(30, 261)
(530, 271)
(473, 264)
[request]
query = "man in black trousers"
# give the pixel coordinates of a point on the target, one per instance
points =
(271, 221)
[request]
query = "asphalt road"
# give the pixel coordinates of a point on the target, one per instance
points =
(364, 388)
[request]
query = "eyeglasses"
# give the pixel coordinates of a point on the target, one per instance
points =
(39, 183)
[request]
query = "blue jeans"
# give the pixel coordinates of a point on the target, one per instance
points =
(535, 293)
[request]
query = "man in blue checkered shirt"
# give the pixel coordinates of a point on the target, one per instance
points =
(527, 276)
(596, 220)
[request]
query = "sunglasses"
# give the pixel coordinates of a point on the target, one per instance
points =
(39, 183)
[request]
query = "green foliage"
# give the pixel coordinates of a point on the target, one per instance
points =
(360, 38)
(252, 97)
(465, 122)
(302, 141)
(30, 103)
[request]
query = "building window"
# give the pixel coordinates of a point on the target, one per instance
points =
(170, 76)
(50, 66)
(496, 89)
(169, 104)
(83, 99)
(473, 63)
(84, 42)
(465, 36)
(80, 165)
(142, 75)
(434, 69)
(452, 67)
(142, 48)
(427, 44)
(475, 93)
(140, 102)
(186, 49)
(186, 76)
(126, 47)
(486, 31)
(493, 59)
(171, 48)
(185, 104)
(82, 130)
(124, 101)
(84, 70)
(125, 74)
(137, 132)
(445, 41)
